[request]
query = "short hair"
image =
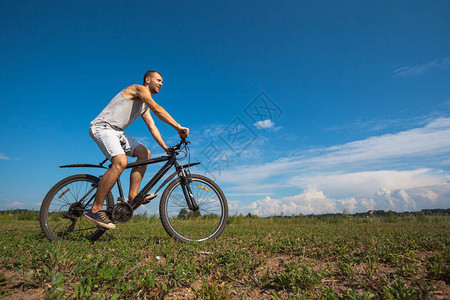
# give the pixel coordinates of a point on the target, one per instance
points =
(150, 74)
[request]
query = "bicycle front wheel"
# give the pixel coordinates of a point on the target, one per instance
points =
(61, 215)
(185, 225)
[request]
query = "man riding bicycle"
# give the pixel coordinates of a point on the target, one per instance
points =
(107, 131)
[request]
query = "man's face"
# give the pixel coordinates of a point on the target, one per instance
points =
(156, 83)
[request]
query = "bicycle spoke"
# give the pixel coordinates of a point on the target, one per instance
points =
(64, 210)
(198, 225)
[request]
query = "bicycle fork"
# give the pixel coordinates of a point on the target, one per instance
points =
(190, 200)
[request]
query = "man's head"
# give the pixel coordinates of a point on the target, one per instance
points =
(154, 81)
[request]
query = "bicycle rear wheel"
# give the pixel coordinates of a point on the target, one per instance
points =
(185, 225)
(61, 215)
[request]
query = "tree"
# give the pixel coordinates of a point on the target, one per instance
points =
(182, 214)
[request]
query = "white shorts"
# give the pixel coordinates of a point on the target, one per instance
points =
(112, 142)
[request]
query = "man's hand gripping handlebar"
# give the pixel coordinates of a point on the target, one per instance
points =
(183, 132)
(174, 149)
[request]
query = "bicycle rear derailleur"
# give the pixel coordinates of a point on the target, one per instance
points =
(122, 212)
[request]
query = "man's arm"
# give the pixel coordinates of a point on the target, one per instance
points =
(141, 92)
(154, 130)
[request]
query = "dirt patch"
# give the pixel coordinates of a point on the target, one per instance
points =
(19, 286)
(181, 293)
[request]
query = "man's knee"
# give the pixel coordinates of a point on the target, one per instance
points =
(141, 152)
(119, 162)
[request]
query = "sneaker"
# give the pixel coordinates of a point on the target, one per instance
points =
(148, 198)
(100, 218)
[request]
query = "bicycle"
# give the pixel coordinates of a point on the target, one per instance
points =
(192, 207)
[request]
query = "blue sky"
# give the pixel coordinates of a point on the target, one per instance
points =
(353, 98)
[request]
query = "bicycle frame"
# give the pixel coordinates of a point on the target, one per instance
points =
(191, 208)
(171, 161)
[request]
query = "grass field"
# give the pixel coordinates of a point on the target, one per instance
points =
(341, 257)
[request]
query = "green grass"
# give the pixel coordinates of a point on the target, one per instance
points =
(340, 257)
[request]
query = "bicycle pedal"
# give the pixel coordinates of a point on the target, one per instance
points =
(149, 198)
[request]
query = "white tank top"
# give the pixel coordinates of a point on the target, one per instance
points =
(120, 112)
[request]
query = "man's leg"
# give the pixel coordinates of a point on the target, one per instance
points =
(119, 162)
(137, 173)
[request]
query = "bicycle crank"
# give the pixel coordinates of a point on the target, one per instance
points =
(122, 212)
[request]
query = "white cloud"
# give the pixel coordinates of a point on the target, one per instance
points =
(3, 156)
(367, 125)
(436, 196)
(430, 195)
(349, 204)
(212, 131)
(315, 201)
(311, 201)
(397, 200)
(403, 149)
(442, 64)
(246, 194)
(427, 141)
(398, 171)
(15, 204)
(367, 204)
(266, 124)
(363, 184)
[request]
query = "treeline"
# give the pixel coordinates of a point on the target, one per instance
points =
(21, 214)
(370, 213)
(427, 212)
(27, 214)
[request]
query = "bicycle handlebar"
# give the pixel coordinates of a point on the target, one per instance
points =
(178, 146)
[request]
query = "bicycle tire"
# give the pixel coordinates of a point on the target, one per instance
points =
(61, 213)
(184, 225)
